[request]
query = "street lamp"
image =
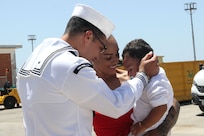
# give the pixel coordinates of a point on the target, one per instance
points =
(191, 7)
(31, 38)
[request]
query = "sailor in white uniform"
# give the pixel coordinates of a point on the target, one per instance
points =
(58, 87)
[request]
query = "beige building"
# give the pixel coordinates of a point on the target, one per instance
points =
(8, 68)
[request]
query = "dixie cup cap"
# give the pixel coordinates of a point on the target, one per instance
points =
(94, 17)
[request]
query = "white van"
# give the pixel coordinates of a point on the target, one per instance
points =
(197, 89)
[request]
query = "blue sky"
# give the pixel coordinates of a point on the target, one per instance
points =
(162, 23)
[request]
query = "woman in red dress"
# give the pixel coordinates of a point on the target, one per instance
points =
(106, 67)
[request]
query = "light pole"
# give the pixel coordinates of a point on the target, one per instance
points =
(31, 38)
(191, 7)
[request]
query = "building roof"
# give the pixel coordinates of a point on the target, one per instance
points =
(10, 46)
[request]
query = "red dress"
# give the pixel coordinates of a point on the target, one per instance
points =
(106, 126)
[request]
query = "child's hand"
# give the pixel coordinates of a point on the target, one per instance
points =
(122, 75)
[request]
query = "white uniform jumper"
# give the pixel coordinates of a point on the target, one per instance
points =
(59, 91)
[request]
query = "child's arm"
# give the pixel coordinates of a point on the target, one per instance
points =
(153, 117)
(168, 123)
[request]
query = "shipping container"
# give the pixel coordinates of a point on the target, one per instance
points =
(181, 76)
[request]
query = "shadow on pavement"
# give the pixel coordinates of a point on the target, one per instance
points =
(2, 108)
(201, 114)
(184, 103)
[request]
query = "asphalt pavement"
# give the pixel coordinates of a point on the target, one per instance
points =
(190, 122)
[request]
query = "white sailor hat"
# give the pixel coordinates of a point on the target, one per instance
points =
(94, 17)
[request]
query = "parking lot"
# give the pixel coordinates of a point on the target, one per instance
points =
(190, 122)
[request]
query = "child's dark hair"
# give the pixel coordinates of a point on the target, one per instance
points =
(137, 48)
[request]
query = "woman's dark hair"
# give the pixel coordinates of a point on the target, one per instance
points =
(137, 48)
